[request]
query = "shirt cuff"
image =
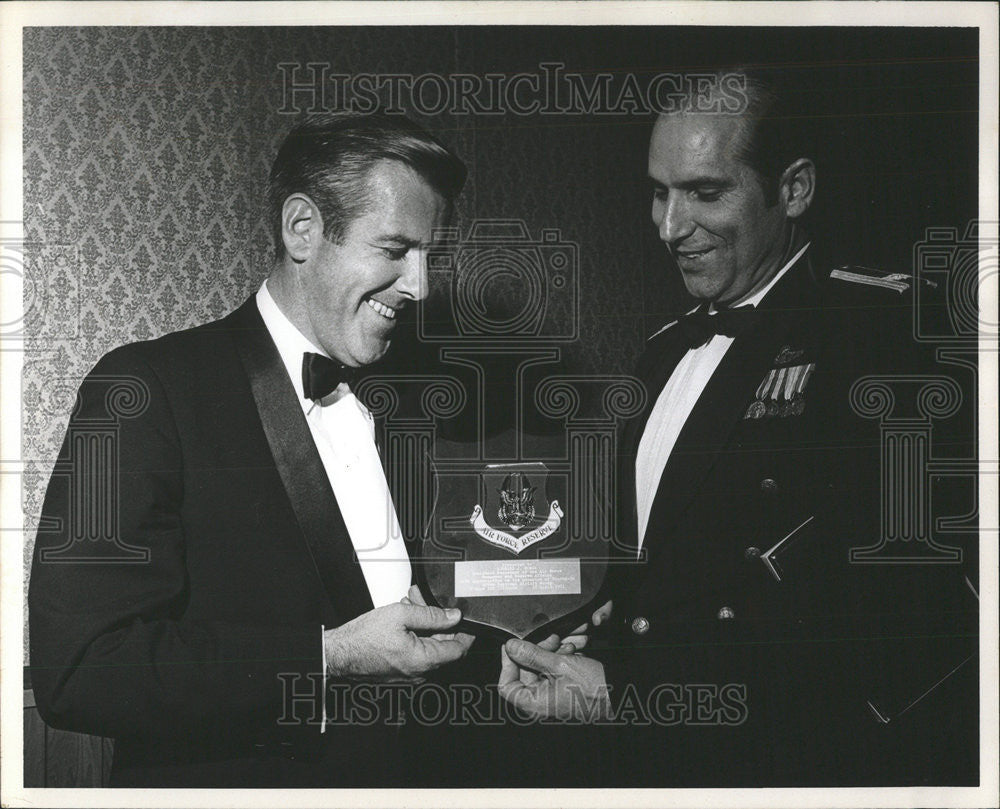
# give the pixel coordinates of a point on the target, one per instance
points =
(322, 648)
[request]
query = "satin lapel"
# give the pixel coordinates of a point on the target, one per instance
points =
(300, 467)
(653, 369)
(724, 401)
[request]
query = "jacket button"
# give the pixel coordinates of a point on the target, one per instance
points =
(640, 626)
(726, 613)
(769, 485)
(752, 552)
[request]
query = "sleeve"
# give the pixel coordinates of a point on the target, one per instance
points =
(112, 652)
(907, 574)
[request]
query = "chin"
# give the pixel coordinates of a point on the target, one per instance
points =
(371, 355)
(698, 290)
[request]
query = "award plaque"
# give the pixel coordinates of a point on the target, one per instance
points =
(503, 549)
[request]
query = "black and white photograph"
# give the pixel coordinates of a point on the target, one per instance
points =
(407, 403)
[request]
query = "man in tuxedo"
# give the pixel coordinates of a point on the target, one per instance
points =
(254, 556)
(749, 646)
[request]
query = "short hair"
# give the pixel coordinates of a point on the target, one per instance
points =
(777, 131)
(777, 122)
(329, 157)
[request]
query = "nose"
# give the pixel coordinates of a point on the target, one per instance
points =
(672, 218)
(413, 281)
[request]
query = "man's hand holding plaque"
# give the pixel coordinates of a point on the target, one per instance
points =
(394, 643)
(541, 683)
(414, 596)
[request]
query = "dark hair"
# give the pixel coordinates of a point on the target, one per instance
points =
(329, 157)
(776, 120)
(777, 130)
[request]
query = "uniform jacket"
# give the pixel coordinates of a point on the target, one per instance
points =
(180, 655)
(745, 583)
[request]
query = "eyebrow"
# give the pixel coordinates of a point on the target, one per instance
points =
(398, 238)
(697, 182)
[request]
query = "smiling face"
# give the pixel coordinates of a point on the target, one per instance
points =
(346, 297)
(710, 208)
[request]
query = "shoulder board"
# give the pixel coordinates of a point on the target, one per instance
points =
(869, 276)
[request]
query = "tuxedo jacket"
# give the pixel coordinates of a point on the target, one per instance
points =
(183, 630)
(775, 657)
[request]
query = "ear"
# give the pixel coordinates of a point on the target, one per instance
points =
(301, 227)
(798, 183)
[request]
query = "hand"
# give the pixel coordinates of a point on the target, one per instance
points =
(569, 687)
(553, 643)
(384, 645)
(414, 596)
(577, 639)
(601, 614)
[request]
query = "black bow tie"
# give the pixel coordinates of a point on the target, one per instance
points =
(321, 375)
(700, 326)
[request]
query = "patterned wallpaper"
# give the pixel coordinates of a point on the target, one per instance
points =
(146, 152)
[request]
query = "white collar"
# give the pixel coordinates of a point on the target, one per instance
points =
(758, 296)
(291, 343)
(754, 299)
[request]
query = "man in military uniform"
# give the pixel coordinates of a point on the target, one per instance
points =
(746, 647)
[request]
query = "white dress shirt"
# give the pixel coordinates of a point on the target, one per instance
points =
(675, 403)
(344, 433)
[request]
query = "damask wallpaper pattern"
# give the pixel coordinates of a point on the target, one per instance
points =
(146, 152)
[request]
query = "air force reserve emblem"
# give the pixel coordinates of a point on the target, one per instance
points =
(501, 548)
(517, 501)
(516, 511)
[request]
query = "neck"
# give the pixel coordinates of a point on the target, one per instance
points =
(284, 290)
(793, 239)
